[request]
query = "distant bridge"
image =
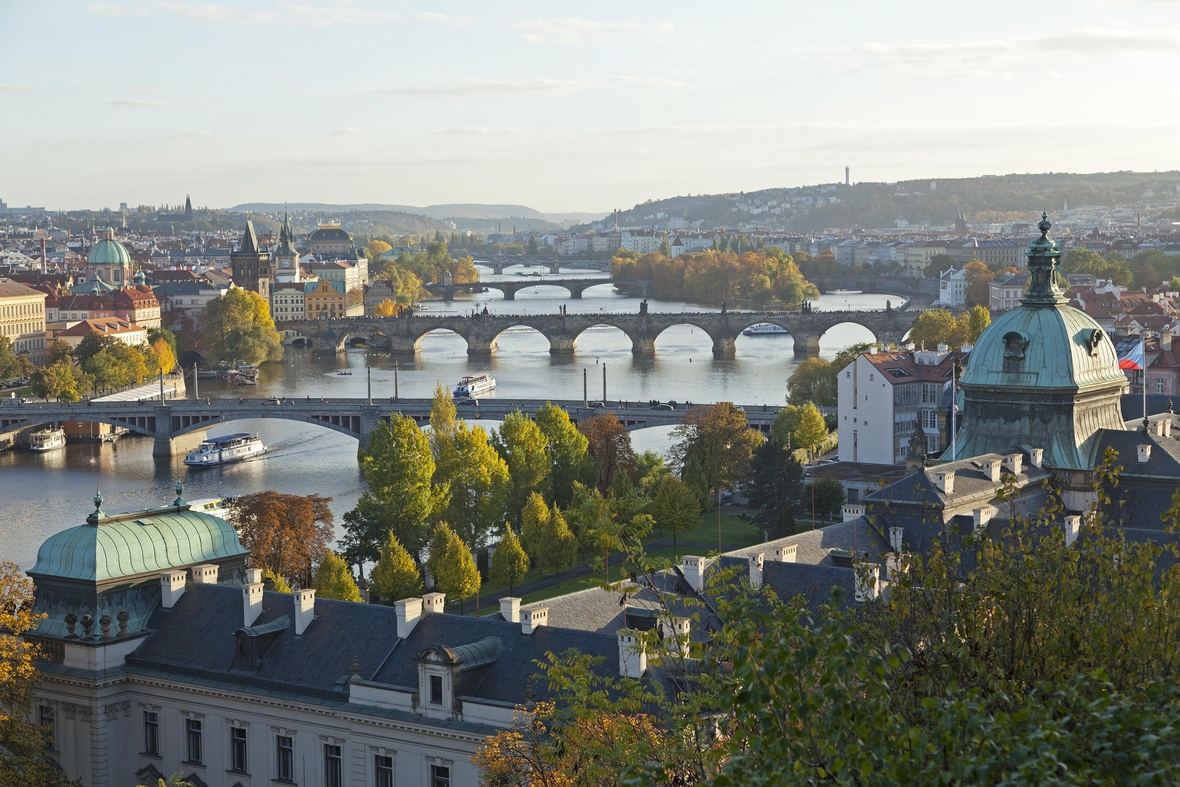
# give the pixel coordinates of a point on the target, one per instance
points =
(179, 425)
(575, 287)
(404, 334)
(554, 264)
(891, 285)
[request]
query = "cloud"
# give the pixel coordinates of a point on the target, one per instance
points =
(15, 89)
(348, 131)
(575, 30)
(468, 130)
(662, 83)
(469, 88)
(209, 12)
(446, 19)
(137, 103)
(109, 9)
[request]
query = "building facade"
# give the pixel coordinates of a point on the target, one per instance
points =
(329, 239)
(286, 302)
(22, 319)
(251, 264)
(127, 332)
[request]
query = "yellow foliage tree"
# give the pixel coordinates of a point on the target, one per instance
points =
(165, 358)
(386, 308)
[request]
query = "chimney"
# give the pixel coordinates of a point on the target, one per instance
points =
(1163, 426)
(1144, 453)
(304, 610)
(510, 609)
(694, 571)
(945, 481)
(868, 576)
(981, 516)
(1165, 336)
(852, 511)
(991, 469)
(1073, 526)
(632, 657)
(45, 269)
(677, 635)
(1014, 462)
(532, 618)
(895, 538)
(1036, 456)
(409, 612)
(171, 588)
(756, 562)
(252, 596)
(205, 574)
(787, 554)
(434, 603)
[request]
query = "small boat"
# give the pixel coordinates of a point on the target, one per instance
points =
(47, 440)
(208, 505)
(225, 450)
(474, 385)
(343, 373)
(765, 329)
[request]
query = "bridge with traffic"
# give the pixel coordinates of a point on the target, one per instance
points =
(575, 287)
(179, 425)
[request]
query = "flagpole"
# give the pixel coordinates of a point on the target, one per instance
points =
(1143, 348)
(954, 410)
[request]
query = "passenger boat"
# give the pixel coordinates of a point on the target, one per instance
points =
(765, 329)
(474, 385)
(225, 450)
(47, 440)
(246, 375)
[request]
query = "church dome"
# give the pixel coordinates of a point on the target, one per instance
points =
(109, 251)
(329, 235)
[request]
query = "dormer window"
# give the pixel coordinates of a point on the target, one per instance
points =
(436, 690)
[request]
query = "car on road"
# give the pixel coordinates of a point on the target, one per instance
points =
(467, 403)
(596, 405)
(663, 406)
(272, 401)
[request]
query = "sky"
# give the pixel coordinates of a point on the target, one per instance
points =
(568, 107)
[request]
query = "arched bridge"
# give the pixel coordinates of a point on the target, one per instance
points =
(575, 287)
(403, 334)
(179, 425)
(554, 264)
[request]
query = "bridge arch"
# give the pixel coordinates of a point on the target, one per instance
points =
(715, 341)
(348, 424)
(847, 333)
(550, 341)
(637, 342)
(142, 425)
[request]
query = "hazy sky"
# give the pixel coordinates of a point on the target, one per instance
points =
(568, 107)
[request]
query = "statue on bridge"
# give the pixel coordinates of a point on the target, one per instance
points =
(643, 307)
(724, 306)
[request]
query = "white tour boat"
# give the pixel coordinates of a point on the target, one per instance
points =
(765, 329)
(47, 440)
(474, 385)
(225, 449)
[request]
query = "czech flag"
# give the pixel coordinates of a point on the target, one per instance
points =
(1133, 358)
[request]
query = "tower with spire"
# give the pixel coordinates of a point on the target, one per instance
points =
(251, 263)
(286, 258)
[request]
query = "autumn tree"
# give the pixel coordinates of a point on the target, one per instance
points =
(609, 443)
(509, 563)
(274, 582)
(557, 546)
(289, 534)
(568, 452)
(812, 429)
(932, 328)
(979, 278)
(164, 355)
(333, 579)
(719, 438)
(977, 320)
(525, 450)
(675, 507)
(238, 326)
(477, 483)
(533, 519)
(386, 308)
(375, 248)
(452, 565)
(396, 574)
(62, 380)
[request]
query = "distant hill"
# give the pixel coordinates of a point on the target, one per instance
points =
(448, 211)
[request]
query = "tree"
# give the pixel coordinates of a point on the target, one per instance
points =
(938, 264)
(238, 326)
(164, 356)
(609, 443)
(396, 574)
(386, 308)
(443, 421)
(62, 381)
(811, 430)
(534, 518)
(524, 449)
(782, 430)
(376, 248)
(509, 563)
(557, 549)
(477, 483)
(286, 533)
(812, 382)
(354, 297)
(693, 476)
(977, 321)
(23, 761)
(274, 582)
(665, 249)
(675, 507)
(602, 524)
(979, 277)
(533, 249)
(11, 364)
(775, 488)
(451, 564)
(719, 438)
(333, 579)
(649, 469)
(932, 328)
(828, 494)
(568, 451)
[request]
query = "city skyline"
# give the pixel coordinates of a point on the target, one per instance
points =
(562, 110)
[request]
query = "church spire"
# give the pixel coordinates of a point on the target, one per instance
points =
(1044, 257)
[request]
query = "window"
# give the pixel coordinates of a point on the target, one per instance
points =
(192, 729)
(440, 776)
(436, 690)
(285, 758)
(1159, 386)
(48, 726)
(237, 746)
(384, 769)
(151, 732)
(333, 773)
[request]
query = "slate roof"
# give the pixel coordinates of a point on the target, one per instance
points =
(813, 583)
(919, 487)
(814, 546)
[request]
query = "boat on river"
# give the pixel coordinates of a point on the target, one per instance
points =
(225, 450)
(765, 329)
(474, 385)
(49, 439)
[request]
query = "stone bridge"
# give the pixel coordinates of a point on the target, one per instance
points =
(179, 425)
(893, 285)
(575, 287)
(554, 264)
(403, 334)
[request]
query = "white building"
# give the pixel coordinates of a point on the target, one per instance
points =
(885, 398)
(952, 287)
(286, 302)
(22, 319)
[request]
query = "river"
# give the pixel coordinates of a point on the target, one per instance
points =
(43, 493)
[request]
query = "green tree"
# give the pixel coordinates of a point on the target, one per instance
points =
(782, 430)
(812, 381)
(509, 563)
(934, 327)
(334, 580)
(451, 564)
(275, 582)
(665, 249)
(524, 449)
(477, 482)
(444, 420)
(62, 381)
(828, 494)
(396, 574)
(533, 249)
(533, 519)
(693, 476)
(11, 364)
(557, 548)
(811, 430)
(602, 525)
(568, 451)
(675, 507)
(649, 469)
(775, 488)
(938, 264)
(238, 326)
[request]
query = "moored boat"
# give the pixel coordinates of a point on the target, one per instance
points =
(47, 439)
(225, 450)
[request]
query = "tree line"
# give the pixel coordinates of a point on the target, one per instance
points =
(713, 276)
(102, 363)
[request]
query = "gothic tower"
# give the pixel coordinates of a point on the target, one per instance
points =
(251, 264)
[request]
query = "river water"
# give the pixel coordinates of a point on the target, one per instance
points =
(41, 494)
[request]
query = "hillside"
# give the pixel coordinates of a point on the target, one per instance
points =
(446, 211)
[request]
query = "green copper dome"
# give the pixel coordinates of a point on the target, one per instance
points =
(109, 252)
(135, 544)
